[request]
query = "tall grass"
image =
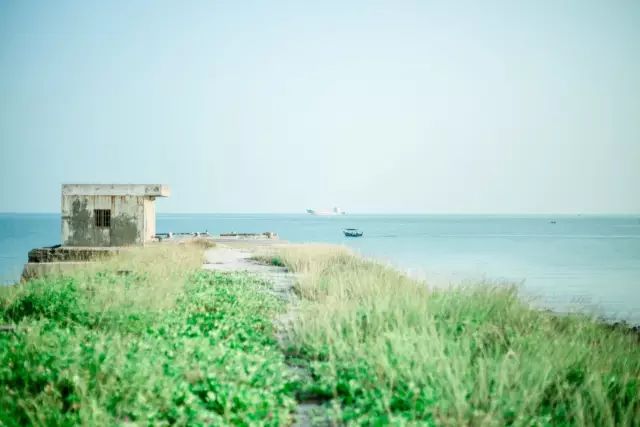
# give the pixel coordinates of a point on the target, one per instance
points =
(385, 349)
(146, 338)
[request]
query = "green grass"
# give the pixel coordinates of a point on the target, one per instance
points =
(271, 260)
(148, 338)
(384, 349)
(163, 344)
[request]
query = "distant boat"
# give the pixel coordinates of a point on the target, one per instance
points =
(326, 212)
(352, 232)
(553, 221)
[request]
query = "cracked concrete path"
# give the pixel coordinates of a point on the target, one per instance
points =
(224, 258)
(230, 259)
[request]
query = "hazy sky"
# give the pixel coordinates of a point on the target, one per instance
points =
(277, 106)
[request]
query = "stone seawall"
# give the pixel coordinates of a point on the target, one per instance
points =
(60, 260)
(70, 254)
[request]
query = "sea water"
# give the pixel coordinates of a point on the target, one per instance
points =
(586, 263)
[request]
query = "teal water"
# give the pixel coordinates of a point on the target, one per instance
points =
(589, 263)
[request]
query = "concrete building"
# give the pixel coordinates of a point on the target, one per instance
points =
(109, 214)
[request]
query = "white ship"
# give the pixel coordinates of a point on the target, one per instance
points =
(326, 212)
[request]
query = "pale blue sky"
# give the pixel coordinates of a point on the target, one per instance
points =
(273, 106)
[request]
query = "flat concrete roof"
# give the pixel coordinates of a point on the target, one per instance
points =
(151, 190)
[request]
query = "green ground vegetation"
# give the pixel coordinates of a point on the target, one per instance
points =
(147, 338)
(384, 349)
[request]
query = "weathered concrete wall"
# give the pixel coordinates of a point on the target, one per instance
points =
(132, 213)
(127, 226)
(143, 190)
(78, 221)
(69, 253)
(149, 218)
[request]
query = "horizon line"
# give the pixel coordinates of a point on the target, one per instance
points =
(360, 213)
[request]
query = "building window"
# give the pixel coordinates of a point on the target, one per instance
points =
(102, 217)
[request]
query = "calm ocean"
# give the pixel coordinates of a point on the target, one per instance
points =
(581, 262)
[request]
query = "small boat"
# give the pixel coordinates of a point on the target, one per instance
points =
(352, 232)
(553, 221)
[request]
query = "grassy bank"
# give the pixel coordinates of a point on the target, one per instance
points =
(384, 349)
(144, 339)
(148, 338)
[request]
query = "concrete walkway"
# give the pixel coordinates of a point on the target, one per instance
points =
(237, 258)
